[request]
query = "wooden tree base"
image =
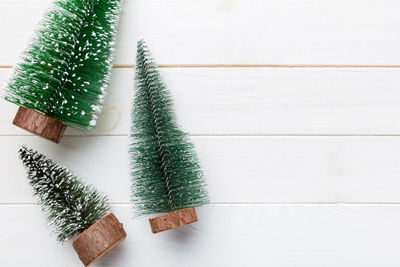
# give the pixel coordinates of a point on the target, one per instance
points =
(99, 239)
(173, 220)
(39, 124)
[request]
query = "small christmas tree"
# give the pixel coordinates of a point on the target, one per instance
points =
(166, 175)
(73, 208)
(62, 78)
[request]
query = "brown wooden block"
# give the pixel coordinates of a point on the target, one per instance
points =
(173, 220)
(39, 124)
(99, 239)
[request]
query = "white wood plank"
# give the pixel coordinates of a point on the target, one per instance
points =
(259, 101)
(344, 32)
(232, 235)
(237, 169)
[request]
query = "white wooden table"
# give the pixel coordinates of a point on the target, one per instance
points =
(294, 107)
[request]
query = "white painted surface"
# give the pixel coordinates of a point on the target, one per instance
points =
(226, 235)
(239, 169)
(344, 32)
(262, 101)
(303, 164)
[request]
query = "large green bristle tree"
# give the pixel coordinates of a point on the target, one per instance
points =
(71, 206)
(66, 69)
(166, 174)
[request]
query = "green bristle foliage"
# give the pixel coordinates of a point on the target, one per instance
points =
(71, 206)
(166, 174)
(65, 71)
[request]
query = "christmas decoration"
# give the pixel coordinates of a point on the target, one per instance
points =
(62, 77)
(166, 176)
(73, 208)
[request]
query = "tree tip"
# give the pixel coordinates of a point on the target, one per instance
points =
(24, 151)
(23, 148)
(141, 44)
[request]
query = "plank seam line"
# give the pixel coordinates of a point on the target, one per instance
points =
(254, 66)
(223, 135)
(238, 203)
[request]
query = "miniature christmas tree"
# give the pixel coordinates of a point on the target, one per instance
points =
(73, 208)
(62, 77)
(166, 176)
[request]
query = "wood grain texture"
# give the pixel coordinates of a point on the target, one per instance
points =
(240, 169)
(199, 32)
(173, 220)
(276, 235)
(99, 239)
(262, 101)
(39, 124)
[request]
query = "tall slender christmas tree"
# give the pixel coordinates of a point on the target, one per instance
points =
(63, 75)
(73, 208)
(166, 175)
